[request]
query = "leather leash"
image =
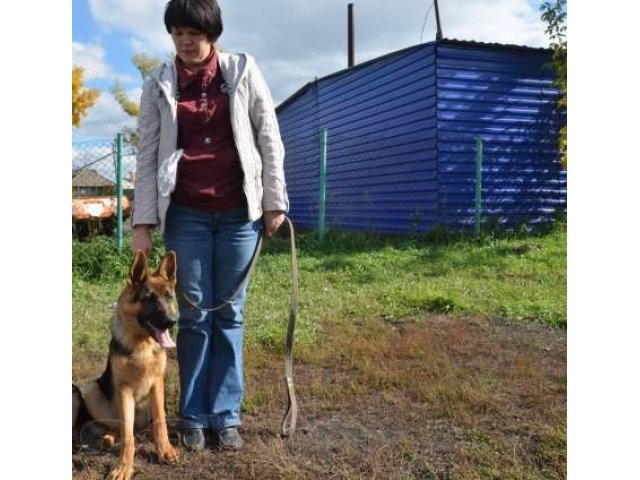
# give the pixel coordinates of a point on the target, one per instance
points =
(288, 426)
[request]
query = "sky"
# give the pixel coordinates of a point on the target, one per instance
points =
(293, 41)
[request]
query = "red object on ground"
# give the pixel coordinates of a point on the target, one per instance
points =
(98, 207)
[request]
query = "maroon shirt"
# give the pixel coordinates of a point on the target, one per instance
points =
(210, 177)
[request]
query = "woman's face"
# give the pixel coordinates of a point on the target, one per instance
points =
(192, 46)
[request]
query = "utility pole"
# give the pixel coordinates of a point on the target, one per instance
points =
(439, 28)
(351, 36)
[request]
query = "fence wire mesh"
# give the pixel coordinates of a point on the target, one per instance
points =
(94, 184)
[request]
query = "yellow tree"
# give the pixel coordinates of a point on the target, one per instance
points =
(82, 99)
(145, 65)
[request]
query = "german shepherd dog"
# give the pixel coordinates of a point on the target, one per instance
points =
(130, 392)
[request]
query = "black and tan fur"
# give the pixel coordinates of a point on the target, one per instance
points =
(130, 392)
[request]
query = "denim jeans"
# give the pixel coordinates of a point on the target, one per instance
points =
(213, 251)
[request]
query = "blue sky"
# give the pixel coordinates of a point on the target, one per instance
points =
(292, 40)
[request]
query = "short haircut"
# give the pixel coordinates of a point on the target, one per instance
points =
(203, 15)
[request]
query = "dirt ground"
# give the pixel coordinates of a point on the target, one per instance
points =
(418, 398)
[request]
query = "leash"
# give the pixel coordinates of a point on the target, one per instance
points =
(241, 285)
(288, 425)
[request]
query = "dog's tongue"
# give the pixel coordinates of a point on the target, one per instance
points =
(166, 341)
(161, 336)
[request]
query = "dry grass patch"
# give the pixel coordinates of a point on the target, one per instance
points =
(422, 398)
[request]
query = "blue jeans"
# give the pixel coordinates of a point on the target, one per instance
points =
(213, 251)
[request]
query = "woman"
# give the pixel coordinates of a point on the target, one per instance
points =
(210, 175)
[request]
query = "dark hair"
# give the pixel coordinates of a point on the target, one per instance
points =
(203, 15)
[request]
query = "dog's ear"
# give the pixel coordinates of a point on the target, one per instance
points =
(168, 266)
(139, 269)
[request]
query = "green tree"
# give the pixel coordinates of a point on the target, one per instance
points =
(82, 99)
(554, 14)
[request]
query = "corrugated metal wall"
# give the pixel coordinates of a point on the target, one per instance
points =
(299, 130)
(504, 96)
(402, 134)
(381, 168)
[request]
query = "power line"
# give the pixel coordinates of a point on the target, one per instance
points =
(425, 21)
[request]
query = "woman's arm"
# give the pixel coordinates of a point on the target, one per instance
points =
(267, 133)
(145, 208)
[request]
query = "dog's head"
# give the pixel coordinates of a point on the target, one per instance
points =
(151, 296)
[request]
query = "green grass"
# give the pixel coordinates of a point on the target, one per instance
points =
(517, 277)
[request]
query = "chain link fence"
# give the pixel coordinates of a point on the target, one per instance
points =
(95, 183)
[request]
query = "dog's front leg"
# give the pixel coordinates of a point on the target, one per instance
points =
(166, 453)
(126, 415)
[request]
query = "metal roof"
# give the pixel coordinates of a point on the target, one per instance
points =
(472, 43)
(445, 41)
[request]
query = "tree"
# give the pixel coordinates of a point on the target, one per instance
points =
(554, 14)
(82, 99)
(145, 65)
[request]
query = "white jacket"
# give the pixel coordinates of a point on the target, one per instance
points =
(255, 129)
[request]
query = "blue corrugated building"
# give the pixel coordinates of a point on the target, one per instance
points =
(402, 130)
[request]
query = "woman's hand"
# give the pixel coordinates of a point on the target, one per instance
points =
(272, 221)
(141, 239)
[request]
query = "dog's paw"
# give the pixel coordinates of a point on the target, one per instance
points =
(123, 471)
(107, 442)
(167, 454)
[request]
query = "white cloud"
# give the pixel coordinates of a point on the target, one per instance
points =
(297, 40)
(501, 21)
(141, 20)
(106, 118)
(91, 56)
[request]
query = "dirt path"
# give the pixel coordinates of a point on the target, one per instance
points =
(423, 398)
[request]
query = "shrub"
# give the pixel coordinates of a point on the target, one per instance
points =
(99, 260)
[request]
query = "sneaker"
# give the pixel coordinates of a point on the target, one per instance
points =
(193, 439)
(229, 438)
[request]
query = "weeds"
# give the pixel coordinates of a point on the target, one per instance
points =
(519, 278)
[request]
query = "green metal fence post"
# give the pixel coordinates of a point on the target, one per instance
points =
(322, 184)
(119, 155)
(478, 199)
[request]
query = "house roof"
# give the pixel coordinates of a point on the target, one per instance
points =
(90, 178)
(453, 42)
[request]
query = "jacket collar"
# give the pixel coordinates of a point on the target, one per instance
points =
(187, 76)
(233, 67)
